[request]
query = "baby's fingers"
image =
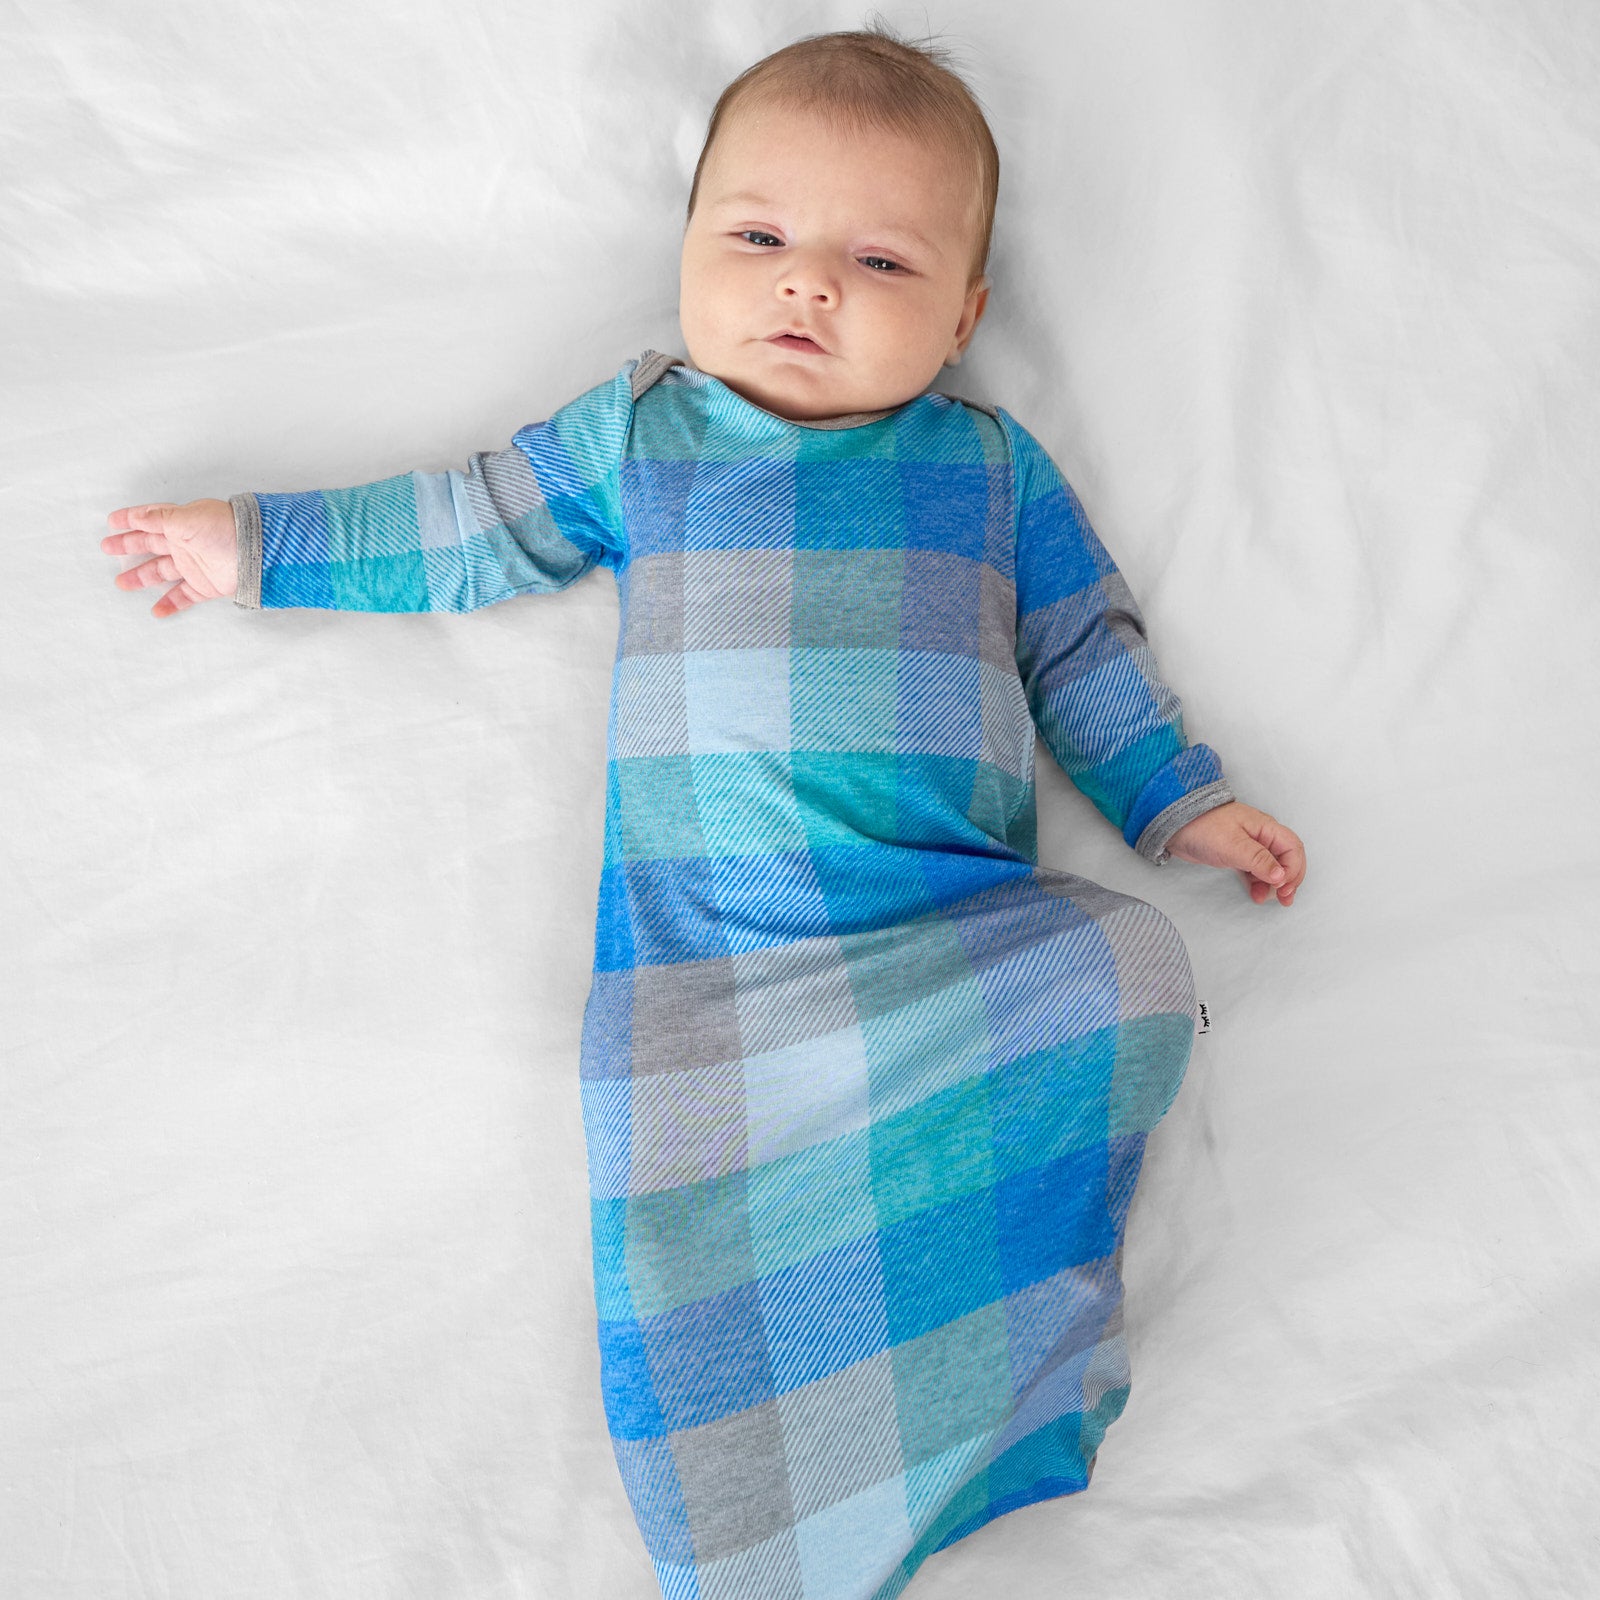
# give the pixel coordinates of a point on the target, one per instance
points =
(1294, 864)
(1264, 882)
(163, 569)
(1290, 854)
(1265, 875)
(131, 522)
(1261, 864)
(138, 530)
(178, 598)
(133, 544)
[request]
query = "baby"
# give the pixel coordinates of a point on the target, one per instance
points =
(865, 1089)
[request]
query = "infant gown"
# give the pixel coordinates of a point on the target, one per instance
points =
(865, 1090)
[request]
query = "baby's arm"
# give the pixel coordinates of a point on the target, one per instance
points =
(1101, 706)
(528, 519)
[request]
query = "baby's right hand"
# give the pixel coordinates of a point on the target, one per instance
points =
(192, 543)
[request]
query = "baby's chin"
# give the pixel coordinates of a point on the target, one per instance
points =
(798, 392)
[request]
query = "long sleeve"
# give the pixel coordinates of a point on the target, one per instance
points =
(528, 519)
(1091, 678)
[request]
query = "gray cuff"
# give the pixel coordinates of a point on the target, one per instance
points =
(1152, 843)
(247, 547)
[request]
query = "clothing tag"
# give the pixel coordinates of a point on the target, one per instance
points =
(1205, 1019)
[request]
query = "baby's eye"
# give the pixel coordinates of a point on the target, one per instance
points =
(894, 266)
(756, 233)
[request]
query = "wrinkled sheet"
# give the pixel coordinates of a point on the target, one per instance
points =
(299, 906)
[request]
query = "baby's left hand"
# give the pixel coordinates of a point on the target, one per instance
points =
(1267, 856)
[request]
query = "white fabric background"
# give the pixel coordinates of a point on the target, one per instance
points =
(298, 906)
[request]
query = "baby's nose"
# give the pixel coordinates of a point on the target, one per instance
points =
(811, 291)
(807, 279)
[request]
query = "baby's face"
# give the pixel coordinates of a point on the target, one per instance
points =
(864, 242)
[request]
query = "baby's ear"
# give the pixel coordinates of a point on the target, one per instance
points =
(971, 314)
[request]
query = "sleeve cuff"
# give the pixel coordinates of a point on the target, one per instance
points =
(247, 547)
(1152, 843)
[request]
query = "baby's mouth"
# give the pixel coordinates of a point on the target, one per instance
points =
(797, 341)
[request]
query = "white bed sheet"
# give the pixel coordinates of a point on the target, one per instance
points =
(298, 906)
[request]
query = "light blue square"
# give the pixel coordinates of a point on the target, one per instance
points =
(849, 1549)
(736, 699)
(805, 1093)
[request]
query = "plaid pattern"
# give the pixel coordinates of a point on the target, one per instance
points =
(865, 1090)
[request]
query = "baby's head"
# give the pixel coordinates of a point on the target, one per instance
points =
(846, 190)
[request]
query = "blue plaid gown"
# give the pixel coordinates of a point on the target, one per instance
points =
(865, 1089)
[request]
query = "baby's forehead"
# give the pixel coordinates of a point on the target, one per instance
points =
(862, 134)
(861, 143)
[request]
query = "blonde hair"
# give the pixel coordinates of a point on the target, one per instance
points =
(873, 80)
